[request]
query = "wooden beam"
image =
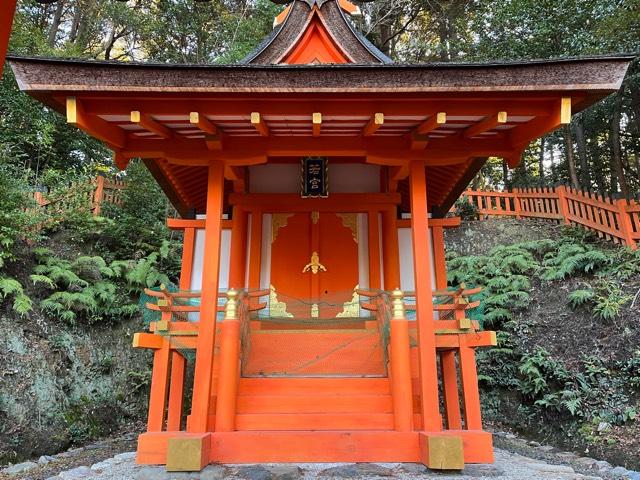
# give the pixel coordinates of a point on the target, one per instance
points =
(520, 137)
(113, 136)
(7, 12)
(283, 105)
(203, 123)
(120, 161)
(213, 142)
(259, 124)
(431, 123)
(565, 110)
(486, 125)
(419, 141)
(396, 174)
(147, 340)
(317, 124)
(150, 125)
(374, 124)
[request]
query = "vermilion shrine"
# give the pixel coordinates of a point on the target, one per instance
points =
(313, 181)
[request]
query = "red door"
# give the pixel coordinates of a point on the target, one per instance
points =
(314, 265)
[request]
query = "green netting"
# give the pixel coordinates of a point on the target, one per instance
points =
(325, 337)
(334, 335)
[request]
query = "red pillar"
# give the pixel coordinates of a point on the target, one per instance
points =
(424, 301)
(7, 11)
(203, 377)
(390, 250)
(237, 256)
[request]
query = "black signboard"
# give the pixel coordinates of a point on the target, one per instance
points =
(314, 177)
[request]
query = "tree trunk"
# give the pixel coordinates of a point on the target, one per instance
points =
(571, 161)
(75, 23)
(55, 24)
(582, 151)
(541, 161)
(616, 152)
(505, 175)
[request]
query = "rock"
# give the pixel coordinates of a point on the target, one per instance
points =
(602, 465)
(546, 448)
(152, 473)
(75, 473)
(476, 471)
(619, 471)
(101, 466)
(510, 436)
(413, 469)
(357, 470)
(214, 472)
(341, 471)
(125, 456)
(44, 459)
(547, 467)
(254, 472)
(603, 427)
(534, 443)
(585, 462)
(372, 469)
(19, 468)
(286, 472)
(634, 475)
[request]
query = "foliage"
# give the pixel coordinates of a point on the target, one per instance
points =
(22, 304)
(90, 290)
(541, 385)
(466, 210)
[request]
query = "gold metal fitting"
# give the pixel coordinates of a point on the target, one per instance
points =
(398, 304)
(231, 309)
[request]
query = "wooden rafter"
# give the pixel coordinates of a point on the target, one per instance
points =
(203, 123)
(317, 123)
(521, 136)
(431, 123)
(113, 136)
(150, 125)
(259, 124)
(486, 125)
(374, 125)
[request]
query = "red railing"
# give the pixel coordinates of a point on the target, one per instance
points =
(614, 220)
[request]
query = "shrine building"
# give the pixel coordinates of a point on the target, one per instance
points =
(313, 321)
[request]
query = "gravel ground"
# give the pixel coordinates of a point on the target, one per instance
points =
(507, 466)
(515, 459)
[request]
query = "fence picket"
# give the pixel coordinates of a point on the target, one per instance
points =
(617, 221)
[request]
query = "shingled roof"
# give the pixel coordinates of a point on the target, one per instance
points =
(328, 13)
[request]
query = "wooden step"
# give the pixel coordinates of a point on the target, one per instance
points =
(314, 421)
(315, 404)
(314, 386)
(308, 353)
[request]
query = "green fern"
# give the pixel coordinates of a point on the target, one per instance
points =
(43, 279)
(22, 304)
(580, 297)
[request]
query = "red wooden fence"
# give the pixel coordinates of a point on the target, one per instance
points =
(102, 191)
(614, 220)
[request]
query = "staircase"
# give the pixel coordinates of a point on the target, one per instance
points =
(314, 404)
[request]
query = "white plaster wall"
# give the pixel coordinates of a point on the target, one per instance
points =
(405, 243)
(198, 256)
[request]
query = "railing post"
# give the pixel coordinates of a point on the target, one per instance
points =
(625, 223)
(98, 196)
(400, 359)
(229, 360)
(563, 203)
(516, 202)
